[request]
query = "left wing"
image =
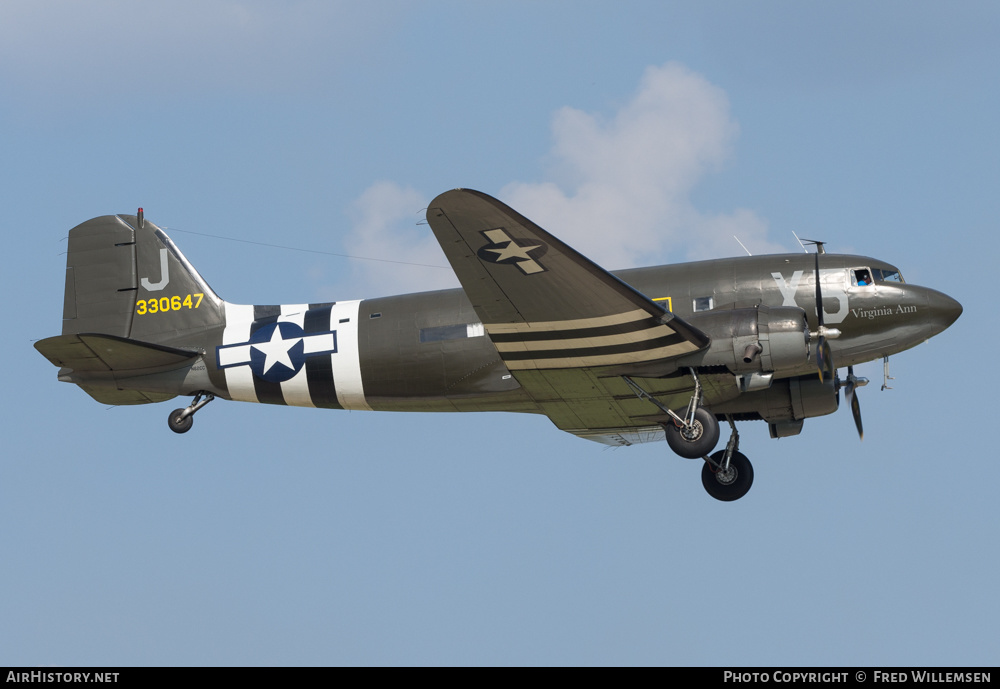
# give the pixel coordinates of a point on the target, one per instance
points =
(544, 305)
(564, 326)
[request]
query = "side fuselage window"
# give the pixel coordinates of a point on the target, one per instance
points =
(861, 277)
(704, 304)
(452, 332)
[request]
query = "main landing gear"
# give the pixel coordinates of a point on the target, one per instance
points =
(181, 420)
(727, 474)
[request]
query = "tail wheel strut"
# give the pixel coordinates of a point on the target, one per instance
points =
(181, 420)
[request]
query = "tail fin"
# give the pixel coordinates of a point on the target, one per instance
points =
(124, 277)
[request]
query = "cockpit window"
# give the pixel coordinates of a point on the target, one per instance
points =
(861, 277)
(888, 275)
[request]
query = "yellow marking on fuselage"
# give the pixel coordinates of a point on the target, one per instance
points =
(670, 303)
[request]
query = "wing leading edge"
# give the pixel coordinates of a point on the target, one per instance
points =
(543, 304)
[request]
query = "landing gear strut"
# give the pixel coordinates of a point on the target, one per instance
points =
(697, 437)
(727, 475)
(181, 420)
(696, 433)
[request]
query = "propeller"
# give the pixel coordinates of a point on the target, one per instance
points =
(852, 384)
(824, 357)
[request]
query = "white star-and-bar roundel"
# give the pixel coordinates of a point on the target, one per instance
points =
(505, 249)
(277, 351)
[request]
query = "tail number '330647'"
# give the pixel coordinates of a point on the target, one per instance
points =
(166, 304)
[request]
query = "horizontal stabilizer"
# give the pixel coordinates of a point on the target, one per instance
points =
(94, 352)
(106, 395)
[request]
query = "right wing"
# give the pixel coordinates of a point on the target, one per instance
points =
(543, 304)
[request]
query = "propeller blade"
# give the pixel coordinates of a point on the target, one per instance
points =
(856, 411)
(824, 360)
(853, 383)
(824, 357)
(819, 295)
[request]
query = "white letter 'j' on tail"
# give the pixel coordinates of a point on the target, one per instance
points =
(164, 275)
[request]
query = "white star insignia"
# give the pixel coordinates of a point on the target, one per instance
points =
(512, 250)
(276, 350)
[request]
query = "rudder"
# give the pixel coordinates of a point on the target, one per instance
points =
(125, 277)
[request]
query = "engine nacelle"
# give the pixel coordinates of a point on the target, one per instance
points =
(790, 401)
(784, 338)
(785, 404)
(757, 340)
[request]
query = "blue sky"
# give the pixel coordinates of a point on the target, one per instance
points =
(640, 133)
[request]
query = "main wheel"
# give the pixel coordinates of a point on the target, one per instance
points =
(178, 422)
(696, 441)
(728, 485)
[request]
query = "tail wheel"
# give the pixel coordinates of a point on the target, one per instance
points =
(178, 422)
(731, 484)
(698, 439)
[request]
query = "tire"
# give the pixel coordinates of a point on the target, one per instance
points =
(704, 435)
(178, 423)
(733, 486)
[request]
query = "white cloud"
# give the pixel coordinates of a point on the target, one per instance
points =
(623, 189)
(620, 189)
(385, 226)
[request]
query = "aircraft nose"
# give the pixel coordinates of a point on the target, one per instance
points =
(944, 310)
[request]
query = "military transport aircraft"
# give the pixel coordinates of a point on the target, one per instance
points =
(637, 355)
